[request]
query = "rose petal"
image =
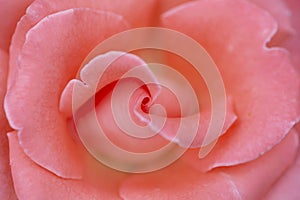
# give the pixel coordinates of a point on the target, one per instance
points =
(248, 181)
(10, 13)
(116, 106)
(33, 182)
(287, 187)
(119, 133)
(3, 79)
(262, 81)
(190, 91)
(179, 181)
(103, 71)
(293, 44)
(32, 101)
(181, 136)
(282, 14)
(41, 8)
(255, 178)
(168, 4)
(100, 72)
(6, 186)
(297, 127)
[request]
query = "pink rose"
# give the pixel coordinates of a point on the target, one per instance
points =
(57, 94)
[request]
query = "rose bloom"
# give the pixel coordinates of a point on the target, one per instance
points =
(44, 47)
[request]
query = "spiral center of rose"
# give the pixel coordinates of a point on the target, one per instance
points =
(128, 113)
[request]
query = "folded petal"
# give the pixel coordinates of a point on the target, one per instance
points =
(263, 83)
(50, 57)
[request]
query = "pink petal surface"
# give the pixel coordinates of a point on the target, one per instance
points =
(282, 14)
(41, 8)
(103, 70)
(170, 130)
(179, 181)
(6, 187)
(197, 86)
(3, 79)
(183, 181)
(293, 43)
(256, 178)
(32, 101)
(168, 4)
(262, 81)
(10, 13)
(287, 187)
(285, 12)
(297, 127)
(33, 182)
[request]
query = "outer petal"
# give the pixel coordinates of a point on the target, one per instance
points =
(10, 13)
(41, 8)
(33, 182)
(264, 85)
(62, 41)
(287, 187)
(6, 187)
(254, 179)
